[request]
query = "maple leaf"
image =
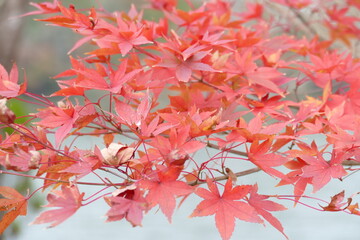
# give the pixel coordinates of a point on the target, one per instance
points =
(87, 163)
(253, 131)
(226, 207)
(341, 25)
(267, 77)
(176, 148)
(52, 165)
(125, 36)
(66, 117)
(71, 18)
(354, 209)
(183, 18)
(154, 128)
(126, 114)
(185, 59)
(95, 79)
(355, 3)
(22, 160)
(44, 8)
(294, 178)
(263, 206)
(254, 11)
(68, 200)
(53, 117)
(126, 202)
(320, 170)
(167, 5)
(336, 203)
(219, 8)
(323, 68)
(260, 156)
(9, 86)
(162, 191)
(14, 203)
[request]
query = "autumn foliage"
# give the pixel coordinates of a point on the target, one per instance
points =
(185, 104)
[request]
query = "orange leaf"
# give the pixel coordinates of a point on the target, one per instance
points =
(14, 202)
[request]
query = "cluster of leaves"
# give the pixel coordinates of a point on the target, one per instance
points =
(156, 93)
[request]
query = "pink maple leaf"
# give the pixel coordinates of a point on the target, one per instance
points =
(126, 114)
(67, 200)
(22, 160)
(322, 171)
(126, 203)
(9, 86)
(87, 163)
(44, 8)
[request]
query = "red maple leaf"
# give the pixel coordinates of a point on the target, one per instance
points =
(95, 79)
(259, 155)
(162, 191)
(125, 36)
(185, 58)
(266, 77)
(263, 206)
(294, 177)
(178, 146)
(14, 203)
(226, 207)
(71, 18)
(68, 200)
(66, 117)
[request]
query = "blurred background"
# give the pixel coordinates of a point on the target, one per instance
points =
(42, 52)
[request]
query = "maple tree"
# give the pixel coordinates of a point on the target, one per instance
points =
(234, 87)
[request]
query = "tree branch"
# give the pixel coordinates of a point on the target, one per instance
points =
(221, 178)
(240, 153)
